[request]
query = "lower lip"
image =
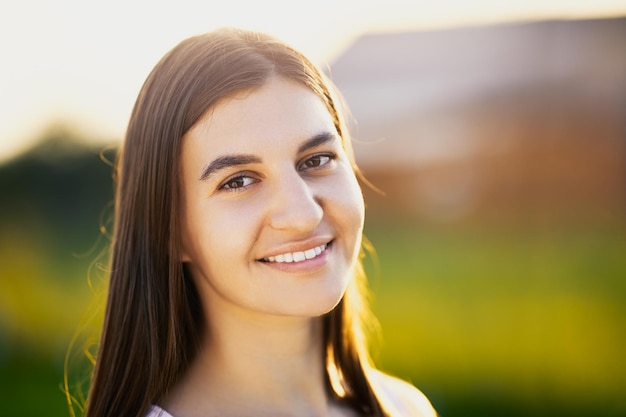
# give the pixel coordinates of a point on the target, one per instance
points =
(306, 266)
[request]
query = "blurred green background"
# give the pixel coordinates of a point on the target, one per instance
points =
(488, 318)
(55, 198)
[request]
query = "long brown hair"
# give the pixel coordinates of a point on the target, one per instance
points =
(153, 318)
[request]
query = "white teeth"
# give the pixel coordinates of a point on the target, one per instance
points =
(297, 256)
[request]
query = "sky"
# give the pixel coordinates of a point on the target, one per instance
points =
(82, 63)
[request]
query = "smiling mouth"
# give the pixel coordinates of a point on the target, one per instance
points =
(298, 256)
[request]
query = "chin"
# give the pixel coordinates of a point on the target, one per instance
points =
(330, 303)
(313, 306)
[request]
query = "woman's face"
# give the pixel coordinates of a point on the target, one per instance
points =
(272, 214)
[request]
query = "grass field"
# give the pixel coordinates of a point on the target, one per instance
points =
(487, 321)
(505, 321)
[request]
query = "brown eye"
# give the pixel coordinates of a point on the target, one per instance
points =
(317, 161)
(237, 183)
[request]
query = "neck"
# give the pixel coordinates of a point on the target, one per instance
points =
(254, 364)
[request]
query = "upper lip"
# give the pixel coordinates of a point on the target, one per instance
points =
(299, 246)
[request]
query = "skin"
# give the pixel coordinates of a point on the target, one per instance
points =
(264, 173)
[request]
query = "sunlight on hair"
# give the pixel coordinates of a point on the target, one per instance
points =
(335, 377)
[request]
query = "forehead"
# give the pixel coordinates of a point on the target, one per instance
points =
(278, 112)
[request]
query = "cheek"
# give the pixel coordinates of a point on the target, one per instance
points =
(358, 201)
(347, 202)
(354, 197)
(219, 233)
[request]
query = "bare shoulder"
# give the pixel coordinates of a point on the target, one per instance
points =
(156, 411)
(401, 397)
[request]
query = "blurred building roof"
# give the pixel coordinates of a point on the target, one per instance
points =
(429, 81)
(524, 116)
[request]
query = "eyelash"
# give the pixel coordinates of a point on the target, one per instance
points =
(331, 157)
(226, 185)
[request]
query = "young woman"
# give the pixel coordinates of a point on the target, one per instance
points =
(236, 287)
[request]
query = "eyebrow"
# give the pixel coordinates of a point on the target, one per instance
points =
(317, 140)
(227, 161)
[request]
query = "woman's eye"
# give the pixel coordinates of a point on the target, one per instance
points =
(317, 161)
(237, 182)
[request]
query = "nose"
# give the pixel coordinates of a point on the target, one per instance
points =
(294, 205)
